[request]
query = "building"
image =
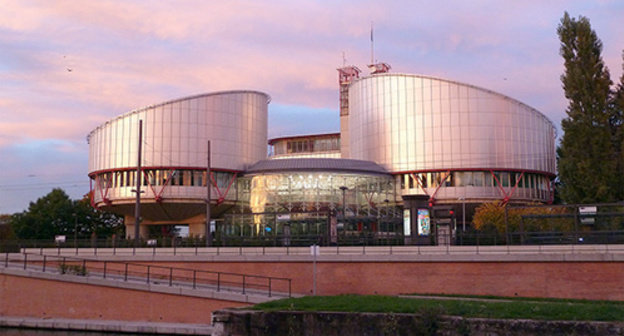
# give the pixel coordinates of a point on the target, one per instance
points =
(407, 143)
(174, 157)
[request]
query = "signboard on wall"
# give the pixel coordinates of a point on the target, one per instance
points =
(424, 222)
(407, 229)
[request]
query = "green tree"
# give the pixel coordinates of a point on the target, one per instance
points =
(6, 231)
(50, 215)
(90, 220)
(617, 126)
(586, 155)
(56, 214)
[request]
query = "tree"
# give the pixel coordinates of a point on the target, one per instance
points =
(50, 215)
(91, 220)
(617, 130)
(490, 217)
(6, 231)
(56, 214)
(586, 155)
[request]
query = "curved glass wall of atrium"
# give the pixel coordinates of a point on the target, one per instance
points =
(305, 200)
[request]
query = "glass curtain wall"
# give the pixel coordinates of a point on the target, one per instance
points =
(307, 201)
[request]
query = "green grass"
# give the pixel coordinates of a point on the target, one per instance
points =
(527, 308)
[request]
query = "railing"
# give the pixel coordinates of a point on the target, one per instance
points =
(152, 274)
(364, 250)
(459, 238)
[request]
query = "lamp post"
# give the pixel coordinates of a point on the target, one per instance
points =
(344, 204)
(138, 191)
(463, 199)
(386, 202)
(208, 234)
(75, 229)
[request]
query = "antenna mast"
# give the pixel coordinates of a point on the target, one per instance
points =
(372, 46)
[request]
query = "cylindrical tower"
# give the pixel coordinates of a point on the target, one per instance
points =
(450, 141)
(175, 137)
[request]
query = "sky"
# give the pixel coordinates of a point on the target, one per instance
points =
(68, 66)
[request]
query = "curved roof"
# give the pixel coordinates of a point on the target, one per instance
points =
(463, 84)
(316, 164)
(124, 115)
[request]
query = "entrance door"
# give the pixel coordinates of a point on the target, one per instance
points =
(443, 234)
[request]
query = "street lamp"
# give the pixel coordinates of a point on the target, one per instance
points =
(463, 199)
(386, 201)
(344, 204)
(75, 229)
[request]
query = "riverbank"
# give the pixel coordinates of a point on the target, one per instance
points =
(109, 326)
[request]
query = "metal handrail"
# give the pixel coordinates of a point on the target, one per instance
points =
(153, 273)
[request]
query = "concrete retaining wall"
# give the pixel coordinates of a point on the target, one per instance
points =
(255, 323)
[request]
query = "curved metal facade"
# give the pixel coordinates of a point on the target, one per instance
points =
(175, 133)
(175, 136)
(418, 124)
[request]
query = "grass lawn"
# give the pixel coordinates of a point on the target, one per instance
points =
(516, 308)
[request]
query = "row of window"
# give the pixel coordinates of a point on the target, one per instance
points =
(306, 145)
(474, 179)
(161, 177)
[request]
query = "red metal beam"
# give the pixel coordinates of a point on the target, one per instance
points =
(432, 197)
(222, 195)
(483, 169)
(419, 182)
(113, 170)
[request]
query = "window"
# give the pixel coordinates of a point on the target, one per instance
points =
(130, 179)
(504, 179)
(477, 179)
(488, 179)
(198, 178)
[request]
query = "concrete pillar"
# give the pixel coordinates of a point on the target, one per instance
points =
(129, 223)
(197, 229)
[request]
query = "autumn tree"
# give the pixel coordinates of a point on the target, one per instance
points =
(588, 152)
(491, 217)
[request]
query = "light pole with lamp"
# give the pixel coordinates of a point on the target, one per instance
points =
(344, 204)
(75, 229)
(463, 199)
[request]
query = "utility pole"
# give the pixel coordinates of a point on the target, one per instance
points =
(208, 234)
(137, 207)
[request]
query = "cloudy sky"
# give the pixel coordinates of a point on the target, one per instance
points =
(125, 55)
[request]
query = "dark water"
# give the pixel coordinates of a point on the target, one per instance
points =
(45, 332)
